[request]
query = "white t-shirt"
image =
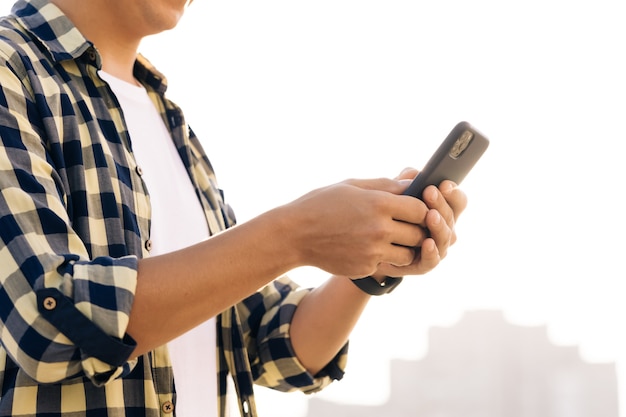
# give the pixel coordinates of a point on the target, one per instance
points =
(177, 221)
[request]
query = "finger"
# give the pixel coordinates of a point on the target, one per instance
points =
(396, 186)
(442, 234)
(410, 210)
(429, 257)
(399, 256)
(455, 197)
(425, 260)
(408, 234)
(434, 199)
(407, 174)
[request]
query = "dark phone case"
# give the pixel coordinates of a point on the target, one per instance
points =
(444, 166)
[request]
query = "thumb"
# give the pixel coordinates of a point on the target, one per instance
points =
(395, 186)
(407, 173)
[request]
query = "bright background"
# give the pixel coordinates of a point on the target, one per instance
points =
(288, 96)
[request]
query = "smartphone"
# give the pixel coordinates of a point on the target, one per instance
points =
(453, 160)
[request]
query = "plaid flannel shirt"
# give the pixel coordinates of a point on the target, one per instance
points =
(74, 220)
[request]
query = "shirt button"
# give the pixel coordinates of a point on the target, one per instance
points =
(139, 171)
(167, 407)
(246, 407)
(49, 303)
(148, 245)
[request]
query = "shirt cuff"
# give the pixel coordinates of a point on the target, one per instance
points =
(61, 312)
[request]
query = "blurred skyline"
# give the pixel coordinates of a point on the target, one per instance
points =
(484, 366)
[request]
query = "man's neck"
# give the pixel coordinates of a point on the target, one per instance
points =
(118, 63)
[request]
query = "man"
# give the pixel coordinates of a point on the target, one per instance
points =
(118, 255)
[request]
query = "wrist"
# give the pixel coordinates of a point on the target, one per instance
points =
(282, 239)
(299, 229)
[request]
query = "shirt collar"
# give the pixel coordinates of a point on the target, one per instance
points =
(146, 72)
(56, 32)
(52, 28)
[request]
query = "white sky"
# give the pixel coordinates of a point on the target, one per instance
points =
(288, 96)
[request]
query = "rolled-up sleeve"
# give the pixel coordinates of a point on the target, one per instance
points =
(274, 363)
(61, 314)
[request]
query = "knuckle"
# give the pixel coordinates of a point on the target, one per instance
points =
(377, 202)
(378, 234)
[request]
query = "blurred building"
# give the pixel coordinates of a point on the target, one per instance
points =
(486, 367)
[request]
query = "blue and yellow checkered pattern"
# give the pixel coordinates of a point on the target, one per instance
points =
(74, 220)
